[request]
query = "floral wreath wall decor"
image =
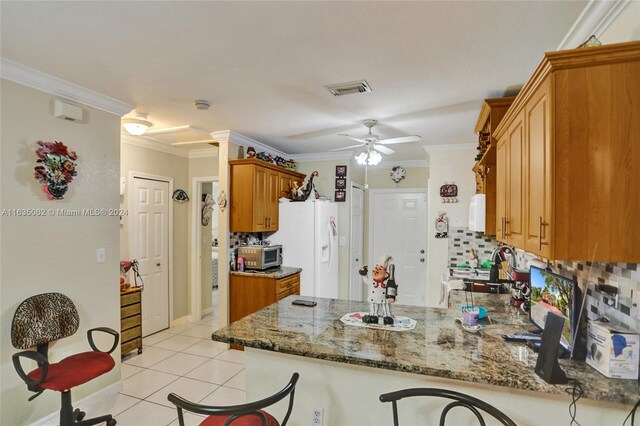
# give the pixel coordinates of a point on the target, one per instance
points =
(56, 168)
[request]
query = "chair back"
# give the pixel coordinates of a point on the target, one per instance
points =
(238, 411)
(459, 400)
(43, 318)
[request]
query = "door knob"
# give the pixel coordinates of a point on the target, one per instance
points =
(422, 260)
(357, 260)
(422, 251)
(157, 264)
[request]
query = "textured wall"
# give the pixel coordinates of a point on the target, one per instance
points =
(53, 253)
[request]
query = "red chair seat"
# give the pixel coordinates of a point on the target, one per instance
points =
(75, 370)
(248, 420)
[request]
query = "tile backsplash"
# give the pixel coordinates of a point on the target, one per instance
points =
(618, 310)
(461, 240)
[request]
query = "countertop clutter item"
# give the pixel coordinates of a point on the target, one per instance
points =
(131, 320)
(256, 187)
(568, 167)
(611, 352)
(309, 238)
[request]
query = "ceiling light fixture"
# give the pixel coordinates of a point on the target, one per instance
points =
(369, 157)
(138, 125)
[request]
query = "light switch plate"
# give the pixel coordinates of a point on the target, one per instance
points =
(100, 255)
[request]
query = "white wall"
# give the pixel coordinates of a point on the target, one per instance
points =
(56, 254)
(452, 165)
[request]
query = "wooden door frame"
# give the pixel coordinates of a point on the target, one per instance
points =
(195, 284)
(372, 192)
(169, 180)
(352, 185)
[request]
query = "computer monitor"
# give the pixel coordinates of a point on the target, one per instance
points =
(554, 293)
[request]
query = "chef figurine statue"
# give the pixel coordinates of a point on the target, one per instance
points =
(383, 291)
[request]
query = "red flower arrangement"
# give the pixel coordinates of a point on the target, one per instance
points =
(56, 168)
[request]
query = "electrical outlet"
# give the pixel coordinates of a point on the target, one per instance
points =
(317, 418)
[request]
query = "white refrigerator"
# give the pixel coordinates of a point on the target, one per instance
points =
(308, 233)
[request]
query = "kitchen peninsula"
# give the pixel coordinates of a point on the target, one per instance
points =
(344, 369)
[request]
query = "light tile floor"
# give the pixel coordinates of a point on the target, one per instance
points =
(183, 360)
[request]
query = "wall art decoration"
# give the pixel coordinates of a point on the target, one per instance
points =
(180, 196)
(449, 192)
(56, 168)
(341, 171)
(442, 225)
(222, 201)
(341, 183)
(341, 196)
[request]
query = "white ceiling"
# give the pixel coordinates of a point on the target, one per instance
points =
(264, 65)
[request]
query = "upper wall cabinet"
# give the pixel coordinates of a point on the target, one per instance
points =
(256, 187)
(490, 116)
(568, 179)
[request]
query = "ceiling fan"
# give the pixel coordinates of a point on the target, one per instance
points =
(373, 143)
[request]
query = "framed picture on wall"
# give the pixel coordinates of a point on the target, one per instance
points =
(341, 196)
(341, 171)
(341, 183)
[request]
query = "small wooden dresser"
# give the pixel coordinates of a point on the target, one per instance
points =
(131, 320)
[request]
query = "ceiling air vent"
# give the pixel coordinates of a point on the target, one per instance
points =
(348, 88)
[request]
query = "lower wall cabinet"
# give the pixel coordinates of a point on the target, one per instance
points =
(130, 321)
(248, 294)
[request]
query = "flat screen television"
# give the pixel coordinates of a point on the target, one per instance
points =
(554, 293)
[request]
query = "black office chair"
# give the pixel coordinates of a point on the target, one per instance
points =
(42, 319)
(460, 400)
(248, 414)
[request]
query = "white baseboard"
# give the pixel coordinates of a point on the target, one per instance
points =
(103, 393)
(207, 311)
(182, 320)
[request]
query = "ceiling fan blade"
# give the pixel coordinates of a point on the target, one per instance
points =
(401, 139)
(346, 147)
(353, 138)
(383, 149)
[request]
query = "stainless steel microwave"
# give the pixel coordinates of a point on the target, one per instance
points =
(259, 257)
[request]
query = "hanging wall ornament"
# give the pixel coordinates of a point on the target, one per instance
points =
(449, 192)
(56, 168)
(222, 201)
(180, 196)
(442, 225)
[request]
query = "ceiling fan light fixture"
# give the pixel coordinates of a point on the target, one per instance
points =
(374, 158)
(136, 126)
(362, 158)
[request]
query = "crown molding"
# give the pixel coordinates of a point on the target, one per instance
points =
(203, 153)
(156, 146)
(238, 139)
(450, 147)
(595, 18)
(407, 164)
(47, 83)
(321, 156)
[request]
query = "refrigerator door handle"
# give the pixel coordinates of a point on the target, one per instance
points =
(331, 238)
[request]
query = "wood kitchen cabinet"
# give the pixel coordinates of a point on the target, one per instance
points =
(256, 187)
(485, 170)
(250, 293)
(509, 187)
(573, 134)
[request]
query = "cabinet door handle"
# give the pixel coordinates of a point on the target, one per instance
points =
(541, 223)
(502, 225)
(506, 226)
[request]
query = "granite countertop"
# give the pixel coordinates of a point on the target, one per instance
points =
(277, 273)
(436, 347)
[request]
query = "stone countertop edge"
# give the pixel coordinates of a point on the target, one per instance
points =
(483, 358)
(281, 272)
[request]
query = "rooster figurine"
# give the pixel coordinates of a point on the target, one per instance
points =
(302, 194)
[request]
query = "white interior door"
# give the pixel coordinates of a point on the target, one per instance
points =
(357, 243)
(150, 228)
(398, 228)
